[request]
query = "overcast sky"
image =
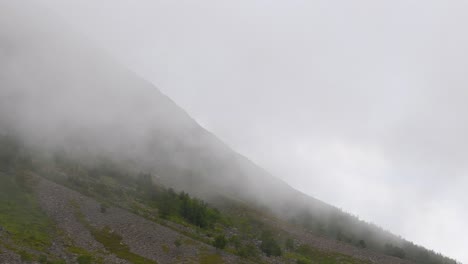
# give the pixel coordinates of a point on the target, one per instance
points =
(359, 103)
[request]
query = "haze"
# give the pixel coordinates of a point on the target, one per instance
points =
(360, 104)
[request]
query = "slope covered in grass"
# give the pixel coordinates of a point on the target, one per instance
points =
(21, 215)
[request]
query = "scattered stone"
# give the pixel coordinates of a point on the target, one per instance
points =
(142, 236)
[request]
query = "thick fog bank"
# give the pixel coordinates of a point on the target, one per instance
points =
(60, 93)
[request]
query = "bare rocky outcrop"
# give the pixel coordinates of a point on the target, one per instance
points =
(9, 257)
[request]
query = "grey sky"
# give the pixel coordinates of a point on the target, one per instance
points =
(358, 103)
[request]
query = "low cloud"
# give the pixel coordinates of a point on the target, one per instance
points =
(360, 104)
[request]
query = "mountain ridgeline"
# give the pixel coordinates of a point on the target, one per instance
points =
(71, 115)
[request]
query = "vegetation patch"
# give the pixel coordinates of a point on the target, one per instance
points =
(220, 242)
(21, 215)
(84, 256)
(305, 254)
(84, 259)
(113, 243)
(25, 256)
(165, 248)
(269, 245)
(210, 259)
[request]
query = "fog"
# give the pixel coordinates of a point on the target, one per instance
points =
(62, 94)
(360, 104)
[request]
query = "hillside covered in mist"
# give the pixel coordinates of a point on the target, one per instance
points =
(76, 126)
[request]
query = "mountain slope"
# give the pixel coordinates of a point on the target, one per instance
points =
(121, 219)
(62, 97)
(58, 93)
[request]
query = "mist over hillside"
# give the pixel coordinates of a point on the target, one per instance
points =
(61, 96)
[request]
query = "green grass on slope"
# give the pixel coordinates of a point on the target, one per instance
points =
(308, 255)
(22, 217)
(85, 256)
(113, 243)
(210, 259)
